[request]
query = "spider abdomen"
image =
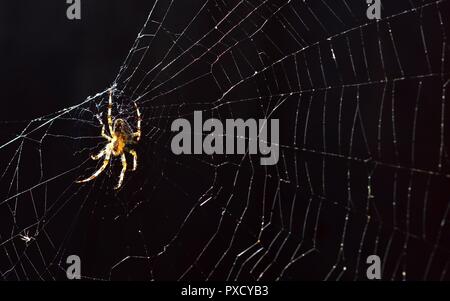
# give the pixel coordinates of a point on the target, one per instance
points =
(119, 145)
(122, 136)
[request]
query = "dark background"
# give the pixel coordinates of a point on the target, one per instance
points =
(49, 62)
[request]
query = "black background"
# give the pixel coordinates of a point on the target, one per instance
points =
(49, 62)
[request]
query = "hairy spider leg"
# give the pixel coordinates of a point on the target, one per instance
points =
(104, 135)
(110, 121)
(122, 173)
(101, 169)
(139, 119)
(99, 155)
(135, 157)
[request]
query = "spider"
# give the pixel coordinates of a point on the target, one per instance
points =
(120, 139)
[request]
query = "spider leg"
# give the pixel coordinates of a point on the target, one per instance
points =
(101, 169)
(99, 155)
(110, 121)
(137, 134)
(135, 157)
(103, 133)
(122, 173)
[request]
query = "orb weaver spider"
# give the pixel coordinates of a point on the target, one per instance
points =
(120, 139)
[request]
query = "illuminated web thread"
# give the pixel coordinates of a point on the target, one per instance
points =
(319, 68)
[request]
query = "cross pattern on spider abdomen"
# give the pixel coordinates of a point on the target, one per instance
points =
(120, 139)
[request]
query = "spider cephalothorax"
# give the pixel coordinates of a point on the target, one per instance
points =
(120, 142)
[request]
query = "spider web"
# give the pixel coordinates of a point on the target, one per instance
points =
(364, 151)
